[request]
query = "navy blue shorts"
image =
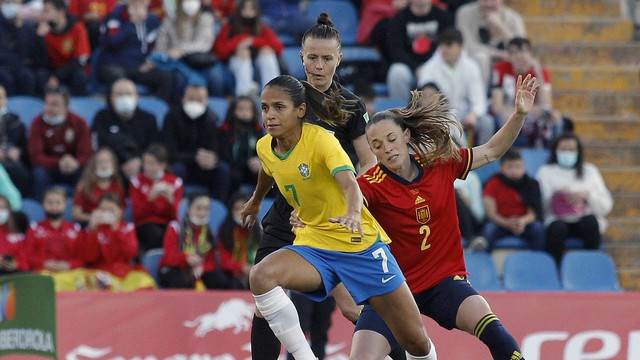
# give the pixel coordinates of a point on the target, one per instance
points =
(440, 303)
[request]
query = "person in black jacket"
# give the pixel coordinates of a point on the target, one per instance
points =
(191, 136)
(13, 147)
(124, 127)
(17, 38)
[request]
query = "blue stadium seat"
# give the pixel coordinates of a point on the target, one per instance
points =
(360, 54)
(510, 242)
(533, 159)
(151, 260)
(588, 270)
(68, 210)
(86, 107)
(156, 106)
(291, 58)
(531, 271)
(33, 210)
(482, 271)
(128, 210)
(216, 217)
(487, 171)
(219, 106)
(343, 14)
(27, 107)
(384, 103)
(264, 208)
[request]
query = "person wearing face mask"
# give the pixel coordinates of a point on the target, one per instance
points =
(12, 245)
(575, 198)
(238, 136)
(17, 38)
(59, 144)
(100, 177)
(124, 127)
(244, 43)
(191, 136)
(192, 252)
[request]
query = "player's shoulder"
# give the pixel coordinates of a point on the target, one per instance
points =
(374, 176)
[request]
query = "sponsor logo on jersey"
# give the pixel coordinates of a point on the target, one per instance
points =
(419, 200)
(304, 170)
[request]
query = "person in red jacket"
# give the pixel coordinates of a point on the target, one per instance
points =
(192, 252)
(155, 197)
(59, 144)
(65, 44)
(109, 246)
(12, 245)
(52, 244)
(245, 42)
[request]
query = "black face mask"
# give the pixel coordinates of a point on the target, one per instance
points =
(249, 22)
(53, 215)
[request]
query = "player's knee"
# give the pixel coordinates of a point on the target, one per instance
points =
(262, 278)
(417, 346)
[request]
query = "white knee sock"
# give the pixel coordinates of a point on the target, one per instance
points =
(279, 311)
(430, 356)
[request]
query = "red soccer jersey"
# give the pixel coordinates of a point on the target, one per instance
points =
(90, 203)
(68, 46)
(13, 244)
(421, 219)
(80, 8)
(44, 242)
(159, 210)
(111, 250)
(509, 203)
(505, 77)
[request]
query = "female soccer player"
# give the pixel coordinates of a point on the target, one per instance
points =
(413, 198)
(341, 241)
(320, 54)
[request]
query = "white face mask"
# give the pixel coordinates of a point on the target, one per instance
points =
(191, 7)
(4, 216)
(125, 104)
(194, 109)
(104, 173)
(53, 121)
(567, 159)
(237, 220)
(198, 221)
(10, 10)
(3, 110)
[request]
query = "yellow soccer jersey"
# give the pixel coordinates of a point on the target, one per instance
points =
(305, 176)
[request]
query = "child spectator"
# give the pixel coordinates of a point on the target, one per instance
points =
(65, 48)
(155, 197)
(110, 245)
(239, 240)
(100, 177)
(245, 42)
(192, 253)
(17, 38)
(124, 127)
(59, 144)
(513, 204)
(13, 256)
(53, 243)
(238, 136)
(13, 146)
(575, 198)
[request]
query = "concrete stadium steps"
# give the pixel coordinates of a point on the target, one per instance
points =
(623, 230)
(626, 204)
(622, 178)
(580, 101)
(574, 7)
(579, 28)
(612, 153)
(629, 278)
(627, 254)
(595, 77)
(607, 128)
(580, 53)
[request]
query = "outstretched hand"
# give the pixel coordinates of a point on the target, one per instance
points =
(526, 90)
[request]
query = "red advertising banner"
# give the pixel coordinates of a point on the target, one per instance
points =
(182, 325)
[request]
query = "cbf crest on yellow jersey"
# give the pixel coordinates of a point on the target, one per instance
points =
(305, 176)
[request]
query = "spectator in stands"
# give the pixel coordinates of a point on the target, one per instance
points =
(513, 205)
(429, 90)
(192, 252)
(13, 256)
(239, 240)
(53, 243)
(575, 198)
(155, 197)
(365, 91)
(124, 127)
(238, 136)
(129, 34)
(245, 42)
(543, 123)
(487, 26)
(13, 147)
(470, 207)
(17, 38)
(191, 135)
(100, 177)
(221, 9)
(411, 40)
(110, 245)
(59, 144)
(286, 18)
(92, 13)
(63, 49)
(375, 16)
(460, 80)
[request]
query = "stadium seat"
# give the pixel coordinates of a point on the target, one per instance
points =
(33, 210)
(291, 58)
(588, 270)
(384, 103)
(487, 171)
(343, 14)
(360, 54)
(264, 208)
(482, 271)
(533, 159)
(219, 106)
(27, 107)
(128, 211)
(156, 106)
(531, 271)
(68, 210)
(218, 215)
(151, 260)
(510, 242)
(86, 107)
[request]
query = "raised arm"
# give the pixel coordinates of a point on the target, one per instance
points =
(526, 90)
